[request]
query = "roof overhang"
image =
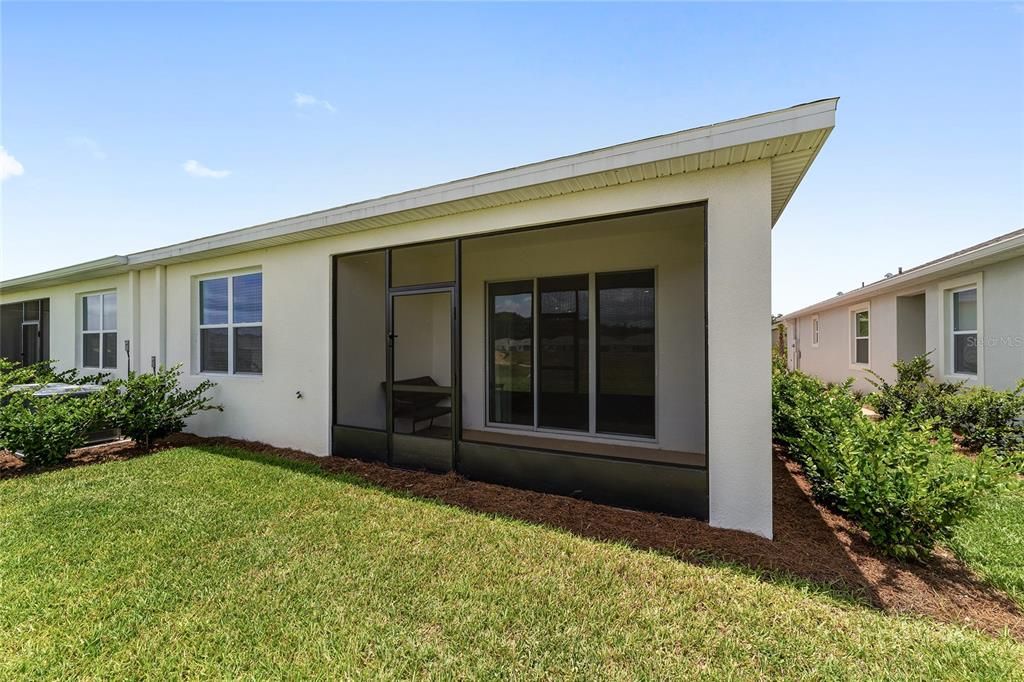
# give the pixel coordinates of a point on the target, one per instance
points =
(999, 249)
(72, 273)
(789, 138)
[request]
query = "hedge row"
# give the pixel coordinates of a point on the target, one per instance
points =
(980, 416)
(45, 429)
(899, 478)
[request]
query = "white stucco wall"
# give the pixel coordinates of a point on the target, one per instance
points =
(66, 319)
(297, 323)
(739, 351)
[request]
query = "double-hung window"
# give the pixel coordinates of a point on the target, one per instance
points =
(99, 331)
(861, 341)
(815, 331)
(231, 324)
(964, 340)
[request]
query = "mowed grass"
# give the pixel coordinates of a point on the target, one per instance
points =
(993, 542)
(211, 562)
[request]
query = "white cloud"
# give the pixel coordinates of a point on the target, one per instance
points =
(303, 101)
(9, 166)
(88, 144)
(198, 170)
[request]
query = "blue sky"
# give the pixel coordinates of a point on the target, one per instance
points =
(288, 108)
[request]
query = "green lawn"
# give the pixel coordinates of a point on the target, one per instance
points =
(993, 543)
(209, 562)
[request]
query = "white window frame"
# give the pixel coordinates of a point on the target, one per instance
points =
(816, 331)
(231, 325)
(946, 348)
(82, 333)
(851, 317)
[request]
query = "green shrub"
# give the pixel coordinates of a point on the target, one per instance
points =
(808, 417)
(905, 487)
(1013, 461)
(984, 418)
(981, 416)
(46, 429)
(15, 373)
(150, 406)
(898, 478)
(913, 393)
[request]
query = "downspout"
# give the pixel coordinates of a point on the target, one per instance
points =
(160, 280)
(135, 334)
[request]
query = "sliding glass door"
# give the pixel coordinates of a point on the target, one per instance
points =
(510, 371)
(553, 367)
(563, 349)
(626, 353)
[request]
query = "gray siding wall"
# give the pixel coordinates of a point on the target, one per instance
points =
(911, 326)
(1002, 333)
(1004, 323)
(831, 360)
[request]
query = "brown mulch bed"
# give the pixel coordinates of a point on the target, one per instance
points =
(810, 541)
(13, 467)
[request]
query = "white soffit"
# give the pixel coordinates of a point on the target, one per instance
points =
(789, 138)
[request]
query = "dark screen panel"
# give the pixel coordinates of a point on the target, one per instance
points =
(361, 348)
(10, 331)
(563, 371)
(510, 346)
(626, 354)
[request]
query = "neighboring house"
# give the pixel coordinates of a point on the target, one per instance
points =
(579, 325)
(778, 338)
(966, 309)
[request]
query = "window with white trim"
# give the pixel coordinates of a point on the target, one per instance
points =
(231, 324)
(99, 331)
(964, 331)
(861, 341)
(815, 331)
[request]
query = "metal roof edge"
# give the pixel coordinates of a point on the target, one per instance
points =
(1008, 242)
(70, 271)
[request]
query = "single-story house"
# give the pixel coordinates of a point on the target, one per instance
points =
(965, 309)
(579, 325)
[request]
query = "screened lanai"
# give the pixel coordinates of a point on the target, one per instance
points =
(568, 358)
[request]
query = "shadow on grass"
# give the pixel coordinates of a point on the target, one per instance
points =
(668, 536)
(813, 549)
